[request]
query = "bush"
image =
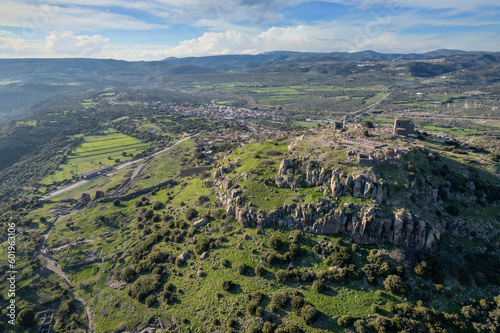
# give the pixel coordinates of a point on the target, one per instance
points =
(274, 242)
(268, 327)
(253, 329)
(252, 307)
(309, 313)
(297, 304)
(260, 271)
(279, 299)
(281, 275)
(127, 274)
(144, 286)
(116, 202)
(395, 284)
(452, 210)
(224, 262)
(318, 286)
(293, 328)
(339, 256)
(481, 279)
(346, 320)
(227, 285)
(26, 318)
(259, 311)
(368, 123)
(150, 300)
(242, 268)
(191, 213)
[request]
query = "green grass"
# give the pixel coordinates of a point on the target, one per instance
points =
(377, 98)
(95, 152)
(452, 131)
(308, 124)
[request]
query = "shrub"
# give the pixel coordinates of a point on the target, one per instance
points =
(279, 299)
(26, 318)
(309, 313)
(359, 326)
(227, 285)
(268, 327)
(339, 256)
(231, 323)
(144, 286)
(116, 202)
(259, 311)
(452, 210)
(395, 284)
(242, 268)
(202, 245)
(224, 262)
(274, 242)
(368, 123)
(150, 300)
(253, 329)
(260, 271)
(293, 328)
(281, 275)
(127, 274)
(481, 279)
(318, 286)
(346, 320)
(390, 307)
(191, 213)
(439, 288)
(252, 307)
(297, 304)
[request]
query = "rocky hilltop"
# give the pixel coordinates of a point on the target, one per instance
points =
(365, 225)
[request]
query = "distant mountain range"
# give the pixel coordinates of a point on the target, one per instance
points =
(226, 63)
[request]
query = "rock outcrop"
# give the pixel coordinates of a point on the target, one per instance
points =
(364, 225)
(290, 175)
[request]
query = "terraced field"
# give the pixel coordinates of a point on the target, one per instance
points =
(95, 152)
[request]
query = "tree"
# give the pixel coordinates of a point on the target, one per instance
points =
(26, 317)
(274, 242)
(395, 284)
(368, 123)
(309, 313)
(191, 213)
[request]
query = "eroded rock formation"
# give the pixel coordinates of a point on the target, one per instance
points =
(364, 225)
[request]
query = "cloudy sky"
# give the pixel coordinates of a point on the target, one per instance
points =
(156, 29)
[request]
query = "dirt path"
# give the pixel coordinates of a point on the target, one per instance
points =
(49, 262)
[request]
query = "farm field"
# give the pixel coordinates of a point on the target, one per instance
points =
(95, 152)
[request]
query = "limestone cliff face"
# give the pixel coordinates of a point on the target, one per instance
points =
(364, 225)
(339, 182)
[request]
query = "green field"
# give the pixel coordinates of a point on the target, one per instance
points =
(95, 152)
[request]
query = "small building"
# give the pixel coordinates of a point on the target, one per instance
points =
(403, 127)
(366, 160)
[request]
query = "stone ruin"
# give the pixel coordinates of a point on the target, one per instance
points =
(403, 127)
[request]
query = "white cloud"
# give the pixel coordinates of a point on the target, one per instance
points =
(66, 43)
(34, 18)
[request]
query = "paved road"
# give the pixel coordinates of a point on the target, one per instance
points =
(117, 167)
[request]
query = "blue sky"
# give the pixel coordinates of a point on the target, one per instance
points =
(156, 29)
